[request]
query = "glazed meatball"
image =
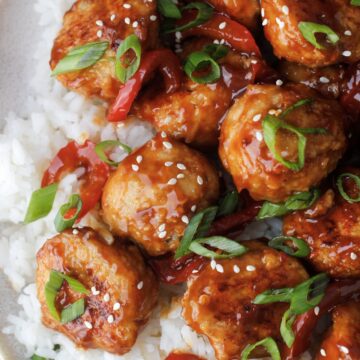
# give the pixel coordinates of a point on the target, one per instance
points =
(281, 19)
(155, 191)
(247, 12)
(247, 157)
(218, 301)
(102, 20)
(342, 341)
(331, 227)
(123, 293)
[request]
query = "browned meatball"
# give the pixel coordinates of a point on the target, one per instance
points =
(247, 12)
(281, 20)
(247, 157)
(342, 341)
(99, 20)
(332, 230)
(218, 301)
(155, 191)
(123, 289)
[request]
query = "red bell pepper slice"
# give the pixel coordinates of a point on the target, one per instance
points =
(163, 60)
(71, 157)
(336, 293)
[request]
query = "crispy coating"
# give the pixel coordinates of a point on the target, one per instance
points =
(281, 29)
(154, 192)
(110, 271)
(80, 28)
(218, 302)
(246, 156)
(332, 230)
(247, 12)
(342, 342)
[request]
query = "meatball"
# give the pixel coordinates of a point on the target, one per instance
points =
(281, 26)
(247, 157)
(331, 227)
(123, 293)
(218, 301)
(155, 191)
(342, 341)
(247, 12)
(102, 20)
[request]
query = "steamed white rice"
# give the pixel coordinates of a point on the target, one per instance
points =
(56, 115)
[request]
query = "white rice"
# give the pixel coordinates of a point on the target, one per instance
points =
(56, 115)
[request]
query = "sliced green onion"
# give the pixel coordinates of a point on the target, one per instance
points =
(298, 201)
(168, 9)
(37, 357)
(339, 184)
(309, 29)
(123, 70)
(268, 343)
(286, 331)
(75, 285)
(293, 107)
(41, 203)
(228, 204)
(198, 227)
(229, 247)
(274, 295)
(199, 60)
(62, 222)
(355, 2)
(302, 250)
(104, 145)
(216, 51)
(81, 57)
(52, 288)
(204, 13)
(73, 311)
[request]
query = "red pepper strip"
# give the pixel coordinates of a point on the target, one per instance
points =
(163, 60)
(350, 98)
(338, 292)
(71, 157)
(235, 34)
(180, 356)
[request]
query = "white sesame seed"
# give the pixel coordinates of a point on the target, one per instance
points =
(167, 145)
(265, 22)
(172, 181)
(135, 24)
(353, 256)
(195, 271)
(200, 180)
(253, 61)
(346, 53)
(135, 167)
(322, 352)
(222, 25)
(347, 33)
(285, 10)
(161, 227)
(193, 208)
(127, 6)
(140, 285)
(236, 269)
(106, 297)
(110, 319)
(168, 163)
(216, 41)
(344, 349)
(219, 268)
(259, 136)
(116, 306)
(181, 166)
(163, 134)
(127, 20)
(316, 310)
(94, 291)
(185, 219)
(279, 82)
(213, 264)
(222, 41)
(112, 17)
(280, 23)
(99, 23)
(162, 234)
(75, 232)
(250, 268)
(257, 117)
(153, 17)
(178, 35)
(324, 80)
(88, 324)
(262, 12)
(180, 176)
(99, 33)
(139, 159)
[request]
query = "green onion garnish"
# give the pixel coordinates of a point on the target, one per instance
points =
(168, 9)
(229, 247)
(228, 204)
(268, 343)
(340, 186)
(298, 201)
(41, 203)
(73, 311)
(104, 145)
(37, 357)
(309, 29)
(62, 220)
(274, 295)
(302, 250)
(216, 51)
(200, 60)
(81, 57)
(355, 2)
(286, 330)
(125, 69)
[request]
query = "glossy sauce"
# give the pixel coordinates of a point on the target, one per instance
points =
(182, 356)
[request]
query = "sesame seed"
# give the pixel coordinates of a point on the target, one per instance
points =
(116, 306)
(139, 159)
(168, 163)
(135, 167)
(253, 61)
(324, 80)
(106, 297)
(167, 145)
(99, 33)
(279, 82)
(346, 53)
(185, 219)
(161, 227)
(112, 17)
(127, 20)
(180, 176)
(178, 35)
(222, 41)
(219, 268)
(94, 291)
(250, 268)
(99, 23)
(222, 25)
(262, 12)
(353, 256)
(316, 310)
(257, 117)
(285, 10)
(259, 136)
(265, 22)
(236, 269)
(162, 234)
(200, 180)
(140, 285)
(75, 232)
(163, 134)
(110, 319)
(344, 349)
(213, 264)
(195, 271)
(181, 166)
(172, 181)
(135, 24)
(193, 208)
(280, 23)
(216, 41)
(153, 17)
(88, 324)
(127, 6)
(347, 33)
(322, 352)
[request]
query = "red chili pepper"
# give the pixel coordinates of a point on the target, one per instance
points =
(71, 157)
(350, 98)
(338, 292)
(163, 60)
(179, 356)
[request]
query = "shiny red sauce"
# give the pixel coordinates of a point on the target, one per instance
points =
(183, 356)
